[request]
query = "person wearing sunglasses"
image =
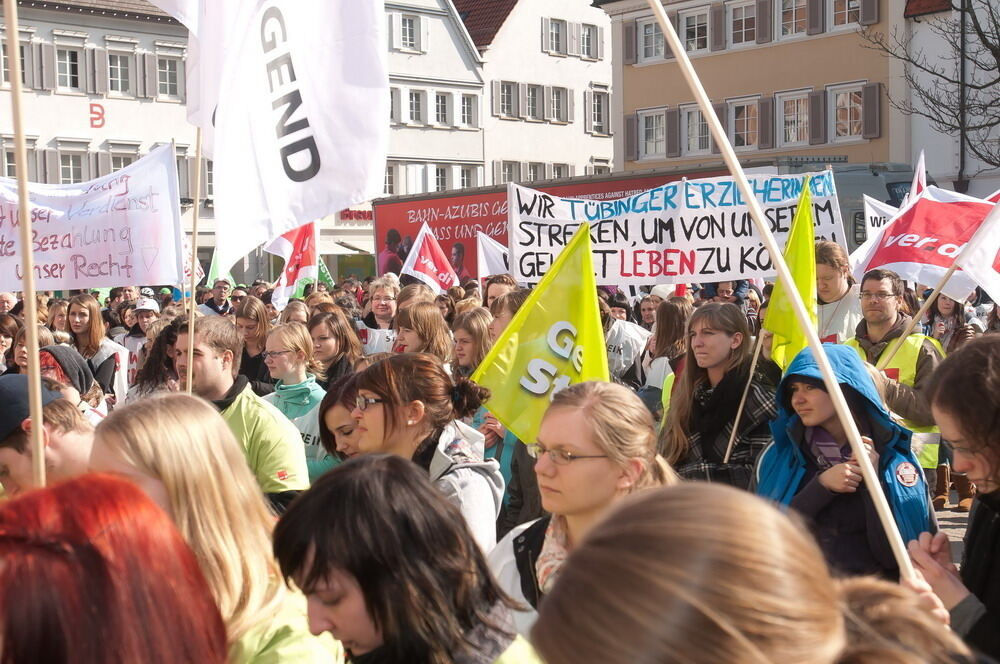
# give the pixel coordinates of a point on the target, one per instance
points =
(595, 446)
(409, 406)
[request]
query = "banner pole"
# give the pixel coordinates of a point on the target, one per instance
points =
(27, 257)
(193, 302)
(784, 275)
(746, 391)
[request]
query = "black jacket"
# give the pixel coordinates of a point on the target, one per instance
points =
(981, 572)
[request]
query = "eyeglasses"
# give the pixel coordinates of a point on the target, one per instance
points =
(383, 300)
(274, 353)
(879, 297)
(363, 402)
(560, 457)
(238, 298)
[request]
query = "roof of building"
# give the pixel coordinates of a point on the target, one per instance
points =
(113, 7)
(483, 18)
(916, 8)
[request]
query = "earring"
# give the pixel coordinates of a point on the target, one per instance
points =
(409, 423)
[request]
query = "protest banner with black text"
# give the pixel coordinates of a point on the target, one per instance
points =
(681, 232)
(122, 228)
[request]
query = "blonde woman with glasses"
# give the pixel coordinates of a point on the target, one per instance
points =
(182, 454)
(595, 446)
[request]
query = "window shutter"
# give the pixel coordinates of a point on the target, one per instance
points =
(632, 137)
(871, 111)
(765, 123)
(600, 43)
(101, 71)
(182, 177)
(815, 17)
(672, 129)
(629, 45)
(150, 82)
(764, 21)
(104, 164)
(717, 27)
(396, 30)
(722, 112)
(52, 166)
(35, 76)
(34, 157)
(192, 171)
(48, 66)
(573, 42)
(588, 170)
(522, 100)
(497, 172)
(570, 106)
(547, 103)
(28, 65)
(425, 34)
(394, 104)
(869, 14)
(588, 115)
(817, 117)
(675, 21)
(546, 27)
(495, 85)
(572, 170)
(88, 79)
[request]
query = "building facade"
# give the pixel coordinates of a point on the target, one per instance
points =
(786, 77)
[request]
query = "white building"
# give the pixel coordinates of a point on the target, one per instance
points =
(436, 141)
(944, 153)
(548, 72)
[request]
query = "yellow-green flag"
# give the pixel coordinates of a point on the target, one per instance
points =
(554, 340)
(800, 254)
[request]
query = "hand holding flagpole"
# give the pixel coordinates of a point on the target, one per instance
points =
(784, 275)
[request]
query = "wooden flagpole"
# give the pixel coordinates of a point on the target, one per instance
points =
(746, 392)
(27, 257)
(193, 302)
(785, 276)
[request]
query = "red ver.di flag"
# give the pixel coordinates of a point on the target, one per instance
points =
(925, 239)
(293, 100)
(298, 248)
(428, 263)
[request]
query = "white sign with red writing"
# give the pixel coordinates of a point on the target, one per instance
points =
(123, 228)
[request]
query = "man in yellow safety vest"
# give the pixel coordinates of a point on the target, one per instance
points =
(909, 370)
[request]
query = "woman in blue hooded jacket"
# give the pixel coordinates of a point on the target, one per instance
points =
(810, 466)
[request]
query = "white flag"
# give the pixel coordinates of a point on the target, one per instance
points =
(491, 256)
(293, 100)
(919, 177)
(877, 215)
(981, 257)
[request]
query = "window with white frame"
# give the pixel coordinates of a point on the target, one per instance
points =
(846, 115)
(601, 168)
(651, 43)
(589, 36)
(6, 63)
(167, 77)
(694, 30)
(469, 110)
(696, 139)
(742, 24)
(599, 112)
(119, 66)
(389, 188)
(508, 172)
(533, 102)
(743, 119)
(793, 114)
(9, 166)
(468, 177)
(408, 32)
(557, 36)
(846, 12)
(536, 172)
(793, 17)
(440, 178)
(560, 105)
(68, 68)
(560, 170)
(209, 178)
(70, 168)
(120, 161)
(416, 106)
(652, 134)
(441, 107)
(508, 99)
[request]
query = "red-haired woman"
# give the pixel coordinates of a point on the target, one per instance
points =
(108, 361)
(92, 571)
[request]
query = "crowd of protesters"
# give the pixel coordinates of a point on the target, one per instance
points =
(335, 488)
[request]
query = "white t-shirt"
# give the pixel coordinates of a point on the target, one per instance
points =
(839, 320)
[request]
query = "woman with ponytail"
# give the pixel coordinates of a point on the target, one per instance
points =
(706, 399)
(409, 406)
(595, 446)
(288, 356)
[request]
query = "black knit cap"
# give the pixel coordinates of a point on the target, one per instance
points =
(73, 365)
(14, 407)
